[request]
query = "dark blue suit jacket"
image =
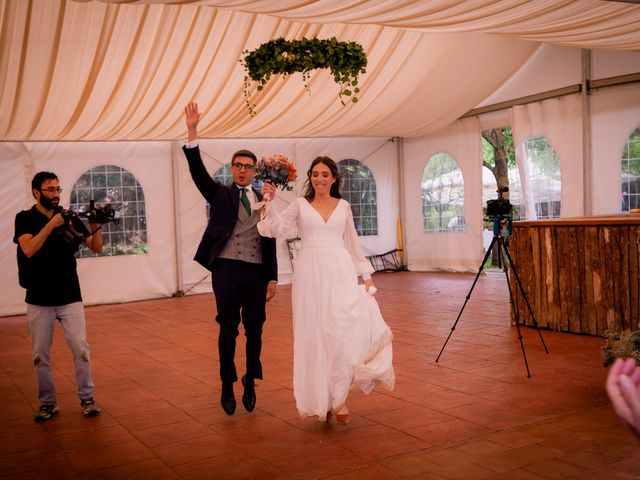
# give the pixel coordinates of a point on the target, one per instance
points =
(225, 202)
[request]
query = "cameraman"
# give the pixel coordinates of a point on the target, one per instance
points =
(47, 269)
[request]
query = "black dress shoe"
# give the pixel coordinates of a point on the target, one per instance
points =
(249, 395)
(228, 400)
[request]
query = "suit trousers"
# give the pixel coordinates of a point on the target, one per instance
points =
(240, 289)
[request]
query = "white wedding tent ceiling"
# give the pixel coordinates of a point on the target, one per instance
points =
(122, 70)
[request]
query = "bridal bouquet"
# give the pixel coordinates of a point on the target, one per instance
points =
(277, 170)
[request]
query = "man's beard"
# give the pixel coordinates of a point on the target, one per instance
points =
(48, 203)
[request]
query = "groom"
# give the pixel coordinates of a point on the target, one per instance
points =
(243, 263)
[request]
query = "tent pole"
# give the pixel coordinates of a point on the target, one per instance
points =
(177, 221)
(586, 134)
(401, 202)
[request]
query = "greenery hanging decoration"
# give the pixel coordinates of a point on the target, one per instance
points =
(345, 60)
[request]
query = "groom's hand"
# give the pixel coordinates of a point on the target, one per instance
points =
(192, 117)
(271, 290)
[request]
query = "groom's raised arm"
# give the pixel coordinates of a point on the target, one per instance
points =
(205, 184)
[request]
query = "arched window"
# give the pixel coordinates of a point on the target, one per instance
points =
(443, 195)
(113, 185)
(630, 172)
(358, 187)
(545, 184)
(499, 157)
(223, 174)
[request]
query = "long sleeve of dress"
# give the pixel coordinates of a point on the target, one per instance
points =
(363, 266)
(275, 223)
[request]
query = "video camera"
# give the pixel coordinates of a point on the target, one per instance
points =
(499, 211)
(499, 206)
(101, 215)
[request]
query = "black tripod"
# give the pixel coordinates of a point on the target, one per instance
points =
(503, 255)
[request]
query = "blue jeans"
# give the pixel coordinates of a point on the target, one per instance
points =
(41, 323)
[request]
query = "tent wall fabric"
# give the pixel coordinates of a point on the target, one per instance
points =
(559, 120)
(615, 115)
(147, 276)
(378, 154)
(458, 251)
(87, 83)
(175, 210)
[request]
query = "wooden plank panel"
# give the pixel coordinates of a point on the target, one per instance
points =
(607, 277)
(598, 280)
(589, 309)
(538, 305)
(581, 278)
(581, 311)
(622, 279)
(521, 256)
(572, 297)
(560, 312)
(553, 282)
(634, 277)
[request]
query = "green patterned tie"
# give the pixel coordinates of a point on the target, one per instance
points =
(245, 201)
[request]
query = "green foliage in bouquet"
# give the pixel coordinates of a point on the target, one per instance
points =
(345, 60)
(621, 345)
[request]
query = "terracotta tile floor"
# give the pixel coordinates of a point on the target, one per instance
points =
(472, 415)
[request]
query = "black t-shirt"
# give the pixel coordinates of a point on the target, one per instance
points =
(50, 275)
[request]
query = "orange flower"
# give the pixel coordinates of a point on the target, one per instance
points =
(277, 170)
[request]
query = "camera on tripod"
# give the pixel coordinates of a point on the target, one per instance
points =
(499, 206)
(100, 215)
(500, 212)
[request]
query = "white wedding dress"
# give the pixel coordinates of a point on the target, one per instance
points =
(340, 337)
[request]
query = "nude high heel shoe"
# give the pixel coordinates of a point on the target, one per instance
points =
(343, 417)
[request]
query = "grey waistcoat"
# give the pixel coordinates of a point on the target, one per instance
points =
(244, 243)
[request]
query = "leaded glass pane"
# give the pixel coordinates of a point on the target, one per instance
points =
(358, 187)
(112, 185)
(443, 195)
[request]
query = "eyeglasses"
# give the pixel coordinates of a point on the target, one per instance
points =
(51, 189)
(247, 166)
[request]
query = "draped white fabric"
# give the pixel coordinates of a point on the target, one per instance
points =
(79, 77)
(175, 210)
(98, 71)
(459, 251)
(169, 265)
(559, 120)
(122, 70)
(574, 23)
(615, 115)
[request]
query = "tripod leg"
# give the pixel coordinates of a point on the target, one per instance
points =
(484, 260)
(501, 248)
(526, 300)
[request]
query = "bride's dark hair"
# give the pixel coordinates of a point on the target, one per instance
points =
(310, 192)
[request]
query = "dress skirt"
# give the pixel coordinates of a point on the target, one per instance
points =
(340, 338)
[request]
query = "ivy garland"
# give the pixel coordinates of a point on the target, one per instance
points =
(345, 60)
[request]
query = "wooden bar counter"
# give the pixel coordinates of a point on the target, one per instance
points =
(580, 275)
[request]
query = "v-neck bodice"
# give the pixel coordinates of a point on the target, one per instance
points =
(325, 220)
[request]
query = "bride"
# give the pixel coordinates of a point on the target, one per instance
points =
(340, 338)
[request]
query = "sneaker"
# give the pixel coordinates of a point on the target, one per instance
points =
(89, 407)
(45, 412)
